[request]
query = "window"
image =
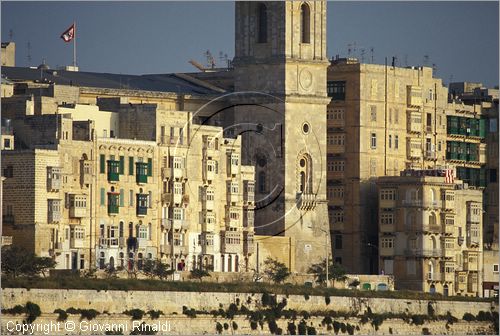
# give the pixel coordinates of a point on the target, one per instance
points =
(396, 116)
(396, 141)
(373, 141)
(6, 143)
(373, 113)
(336, 166)
(338, 242)
(143, 232)
(495, 268)
(262, 182)
(122, 197)
(102, 158)
(388, 194)
(262, 14)
(131, 165)
(131, 197)
(387, 243)
(386, 219)
(338, 216)
(390, 141)
(8, 171)
(305, 16)
(336, 89)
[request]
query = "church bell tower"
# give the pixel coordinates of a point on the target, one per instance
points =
(280, 103)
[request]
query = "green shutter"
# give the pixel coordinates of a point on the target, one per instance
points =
(103, 163)
(150, 167)
(103, 196)
(131, 165)
(122, 197)
(482, 128)
(122, 165)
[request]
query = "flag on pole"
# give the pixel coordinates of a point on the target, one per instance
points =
(69, 34)
(448, 177)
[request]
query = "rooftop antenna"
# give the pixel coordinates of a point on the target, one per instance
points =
(29, 52)
(406, 60)
(210, 59)
(372, 52)
(11, 35)
(351, 48)
(394, 61)
(363, 51)
(434, 68)
(426, 60)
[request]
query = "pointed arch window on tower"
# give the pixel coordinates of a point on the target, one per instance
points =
(305, 174)
(262, 28)
(305, 18)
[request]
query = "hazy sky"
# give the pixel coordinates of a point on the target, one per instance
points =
(461, 38)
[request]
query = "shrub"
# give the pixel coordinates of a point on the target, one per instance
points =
(231, 311)
(327, 299)
(311, 330)
(350, 329)
(302, 328)
(430, 309)
(275, 270)
(226, 326)
(17, 310)
(63, 316)
(272, 326)
(425, 331)
(418, 319)
(450, 318)
(253, 325)
(279, 331)
(306, 297)
(32, 312)
(291, 328)
(155, 314)
(73, 311)
(235, 326)
(484, 316)
(305, 315)
(327, 320)
(336, 326)
(218, 327)
(136, 314)
(468, 317)
(89, 314)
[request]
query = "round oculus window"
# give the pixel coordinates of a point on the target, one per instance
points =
(305, 128)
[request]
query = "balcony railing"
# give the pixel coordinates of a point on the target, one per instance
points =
(306, 201)
(113, 209)
(423, 253)
(421, 204)
(141, 211)
(109, 242)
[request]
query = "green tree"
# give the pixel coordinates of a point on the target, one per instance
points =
(198, 274)
(155, 268)
(335, 271)
(275, 270)
(18, 261)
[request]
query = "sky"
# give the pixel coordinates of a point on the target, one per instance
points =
(460, 37)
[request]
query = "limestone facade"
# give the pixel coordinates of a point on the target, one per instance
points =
(430, 234)
(81, 194)
(382, 120)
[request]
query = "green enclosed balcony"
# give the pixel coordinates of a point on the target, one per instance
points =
(113, 171)
(142, 205)
(141, 175)
(113, 203)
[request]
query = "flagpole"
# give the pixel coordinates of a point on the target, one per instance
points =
(74, 44)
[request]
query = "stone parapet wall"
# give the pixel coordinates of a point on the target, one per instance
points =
(177, 325)
(115, 302)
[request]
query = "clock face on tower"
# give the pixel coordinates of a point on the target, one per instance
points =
(305, 79)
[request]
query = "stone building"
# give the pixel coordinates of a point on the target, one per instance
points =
(274, 97)
(95, 188)
(8, 54)
(383, 119)
(430, 233)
